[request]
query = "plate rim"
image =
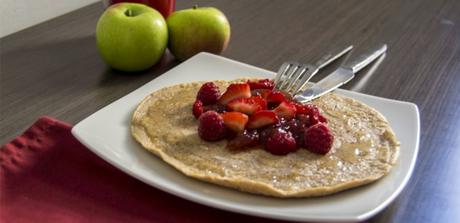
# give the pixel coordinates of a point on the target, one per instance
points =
(79, 134)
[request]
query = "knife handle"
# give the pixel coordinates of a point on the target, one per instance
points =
(365, 59)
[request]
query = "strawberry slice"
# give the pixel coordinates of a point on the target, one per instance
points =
(261, 119)
(247, 105)
(235, 91)
(261, 92)
(235, 121)
(262, 84)
(286, 110)
(276, 97)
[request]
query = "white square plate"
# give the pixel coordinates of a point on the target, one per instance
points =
(107, 134)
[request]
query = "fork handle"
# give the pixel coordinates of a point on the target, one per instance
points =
(366, 58)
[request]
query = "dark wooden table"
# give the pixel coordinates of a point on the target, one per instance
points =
(54, 69)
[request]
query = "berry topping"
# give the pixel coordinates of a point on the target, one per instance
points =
(253, 113)
(304, 119)
(276, 97)
(247, 138)
(197, 108)
(235, 121)
(262, 84)
(307, 109)
(312, 111)
(281, 143)
(214, 107)
(235, 91)
(247, 105)
(261, 119)
(318, 139)
(322, 119)
(286, 110)
(318, 118)
(261, 92)
(267, 132)
(209, 93)
(211, 126)
(297, 129)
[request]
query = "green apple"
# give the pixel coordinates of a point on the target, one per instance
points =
(131, 36)
(198, 29)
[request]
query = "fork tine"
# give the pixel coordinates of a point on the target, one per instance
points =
(288, 75)
(305, 80)
(281, 72)
(295, 77)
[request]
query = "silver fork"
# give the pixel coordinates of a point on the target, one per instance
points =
(293, 76)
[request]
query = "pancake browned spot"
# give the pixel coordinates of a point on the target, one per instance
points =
(364, 150)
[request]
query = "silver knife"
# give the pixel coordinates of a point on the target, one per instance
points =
(340, 76)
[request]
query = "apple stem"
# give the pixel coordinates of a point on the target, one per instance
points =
(195, 6)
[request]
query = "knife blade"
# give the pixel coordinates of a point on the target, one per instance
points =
(340, 76)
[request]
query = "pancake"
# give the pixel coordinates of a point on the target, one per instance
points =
(364, 150)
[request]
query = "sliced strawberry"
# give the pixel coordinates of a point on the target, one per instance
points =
(276, 97)
(261, 92)
(197, 108)
(235, 91)
(286, 110)
(261, 84)
(235, 121)
(262, 118)
(247, 105)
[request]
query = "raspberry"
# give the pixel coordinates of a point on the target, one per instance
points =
(211, 126)
(318, 118)
(318, 139)
(281, 143)
(307, 109)
(197, 108)
(297, 129)
(209, 93)
(322, 119)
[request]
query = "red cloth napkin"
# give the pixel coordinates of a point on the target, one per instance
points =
(48, 176)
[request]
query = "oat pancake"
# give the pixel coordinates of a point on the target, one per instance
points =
(364, 149)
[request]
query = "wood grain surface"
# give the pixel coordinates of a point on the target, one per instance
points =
(54, 69)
